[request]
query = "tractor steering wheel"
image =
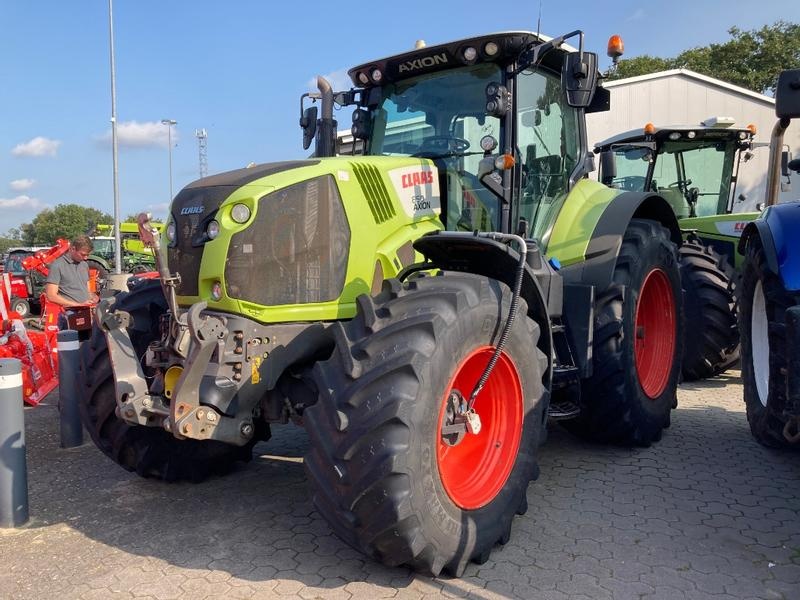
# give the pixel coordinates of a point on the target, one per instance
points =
(679, 184)
(442, 144)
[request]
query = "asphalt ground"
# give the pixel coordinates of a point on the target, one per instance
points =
(705, 513)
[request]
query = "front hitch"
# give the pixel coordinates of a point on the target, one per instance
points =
(135, 405)
(188, 419)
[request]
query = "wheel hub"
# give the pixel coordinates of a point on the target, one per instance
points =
(474, 468)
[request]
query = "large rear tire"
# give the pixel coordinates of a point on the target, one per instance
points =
(383, 475)
(762, 323)
(638, 343)
(149, 451)
(710, 311)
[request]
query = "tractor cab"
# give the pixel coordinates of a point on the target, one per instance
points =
(500, 115)
(694, 167)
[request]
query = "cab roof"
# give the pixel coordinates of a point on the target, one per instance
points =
(428, 59)
(702, 131)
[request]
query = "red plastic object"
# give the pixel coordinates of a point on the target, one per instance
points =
(32, 348)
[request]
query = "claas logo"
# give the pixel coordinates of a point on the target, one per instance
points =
(417, 178)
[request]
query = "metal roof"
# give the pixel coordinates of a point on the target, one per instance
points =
(691, 75)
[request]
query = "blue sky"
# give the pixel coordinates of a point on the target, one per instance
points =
(237, 69)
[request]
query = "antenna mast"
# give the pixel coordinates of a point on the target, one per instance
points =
(202, 149)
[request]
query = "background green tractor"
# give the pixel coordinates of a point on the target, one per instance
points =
(695, 168)
(400, 304)
(136, 258)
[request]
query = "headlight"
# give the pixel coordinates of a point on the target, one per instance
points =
(171, 231)
(216, 291)
(240, 213)
(212, 231)
(490, 48)
(470, 54)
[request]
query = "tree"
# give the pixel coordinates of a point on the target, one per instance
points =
(751, 59)
(8, 242)
(64, 221)
(641, 65)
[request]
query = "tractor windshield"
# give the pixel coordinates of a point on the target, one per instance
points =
(693, 175)
(700, 172)
(103, 247)
(442, 116)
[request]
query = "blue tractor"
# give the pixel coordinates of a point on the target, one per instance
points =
(769, 310)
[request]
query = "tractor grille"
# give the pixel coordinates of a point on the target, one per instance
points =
(197, 204)
(296, 249)
(192, 209)
(380, 203)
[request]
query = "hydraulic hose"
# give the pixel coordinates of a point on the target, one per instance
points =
(512, 312)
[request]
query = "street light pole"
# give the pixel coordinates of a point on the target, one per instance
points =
(169, 123)
(117, 237)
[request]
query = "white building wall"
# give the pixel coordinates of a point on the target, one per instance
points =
(679, 99)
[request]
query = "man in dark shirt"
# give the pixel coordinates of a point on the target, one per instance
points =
(67, 282)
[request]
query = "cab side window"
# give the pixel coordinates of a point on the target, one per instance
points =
(548, 139)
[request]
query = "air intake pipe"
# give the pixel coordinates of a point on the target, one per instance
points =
(326, 132)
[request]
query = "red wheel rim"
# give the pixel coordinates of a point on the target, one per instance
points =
(475, 470)
(655, 333)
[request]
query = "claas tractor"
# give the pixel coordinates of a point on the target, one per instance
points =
(695, 168)
(769, 315)
(421, 307)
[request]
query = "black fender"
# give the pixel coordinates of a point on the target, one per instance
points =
(468, 253)
(759, 230)
(601, 253)
(777, 227)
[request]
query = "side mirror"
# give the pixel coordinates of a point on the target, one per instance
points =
(608, 167)
(579, 75)
(787, 95)
(785, 163)
(308, 123)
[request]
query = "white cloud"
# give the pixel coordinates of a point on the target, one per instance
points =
(21, 201)
(158, 210)
(132, 134)
(38, 146)
(20, 185)
(339, 80)
(637, 15)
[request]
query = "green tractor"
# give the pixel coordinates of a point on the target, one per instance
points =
(135, 257)
(421, 308)
(695, 168)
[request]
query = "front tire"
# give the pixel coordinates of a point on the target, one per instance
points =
(383, 475)
(21, 306)
(149, 451)
(710, 311)
(638, 343)
(762, 323)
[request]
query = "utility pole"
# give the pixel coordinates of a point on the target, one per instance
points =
(202, 147)
(117, 237)
(169, 123)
